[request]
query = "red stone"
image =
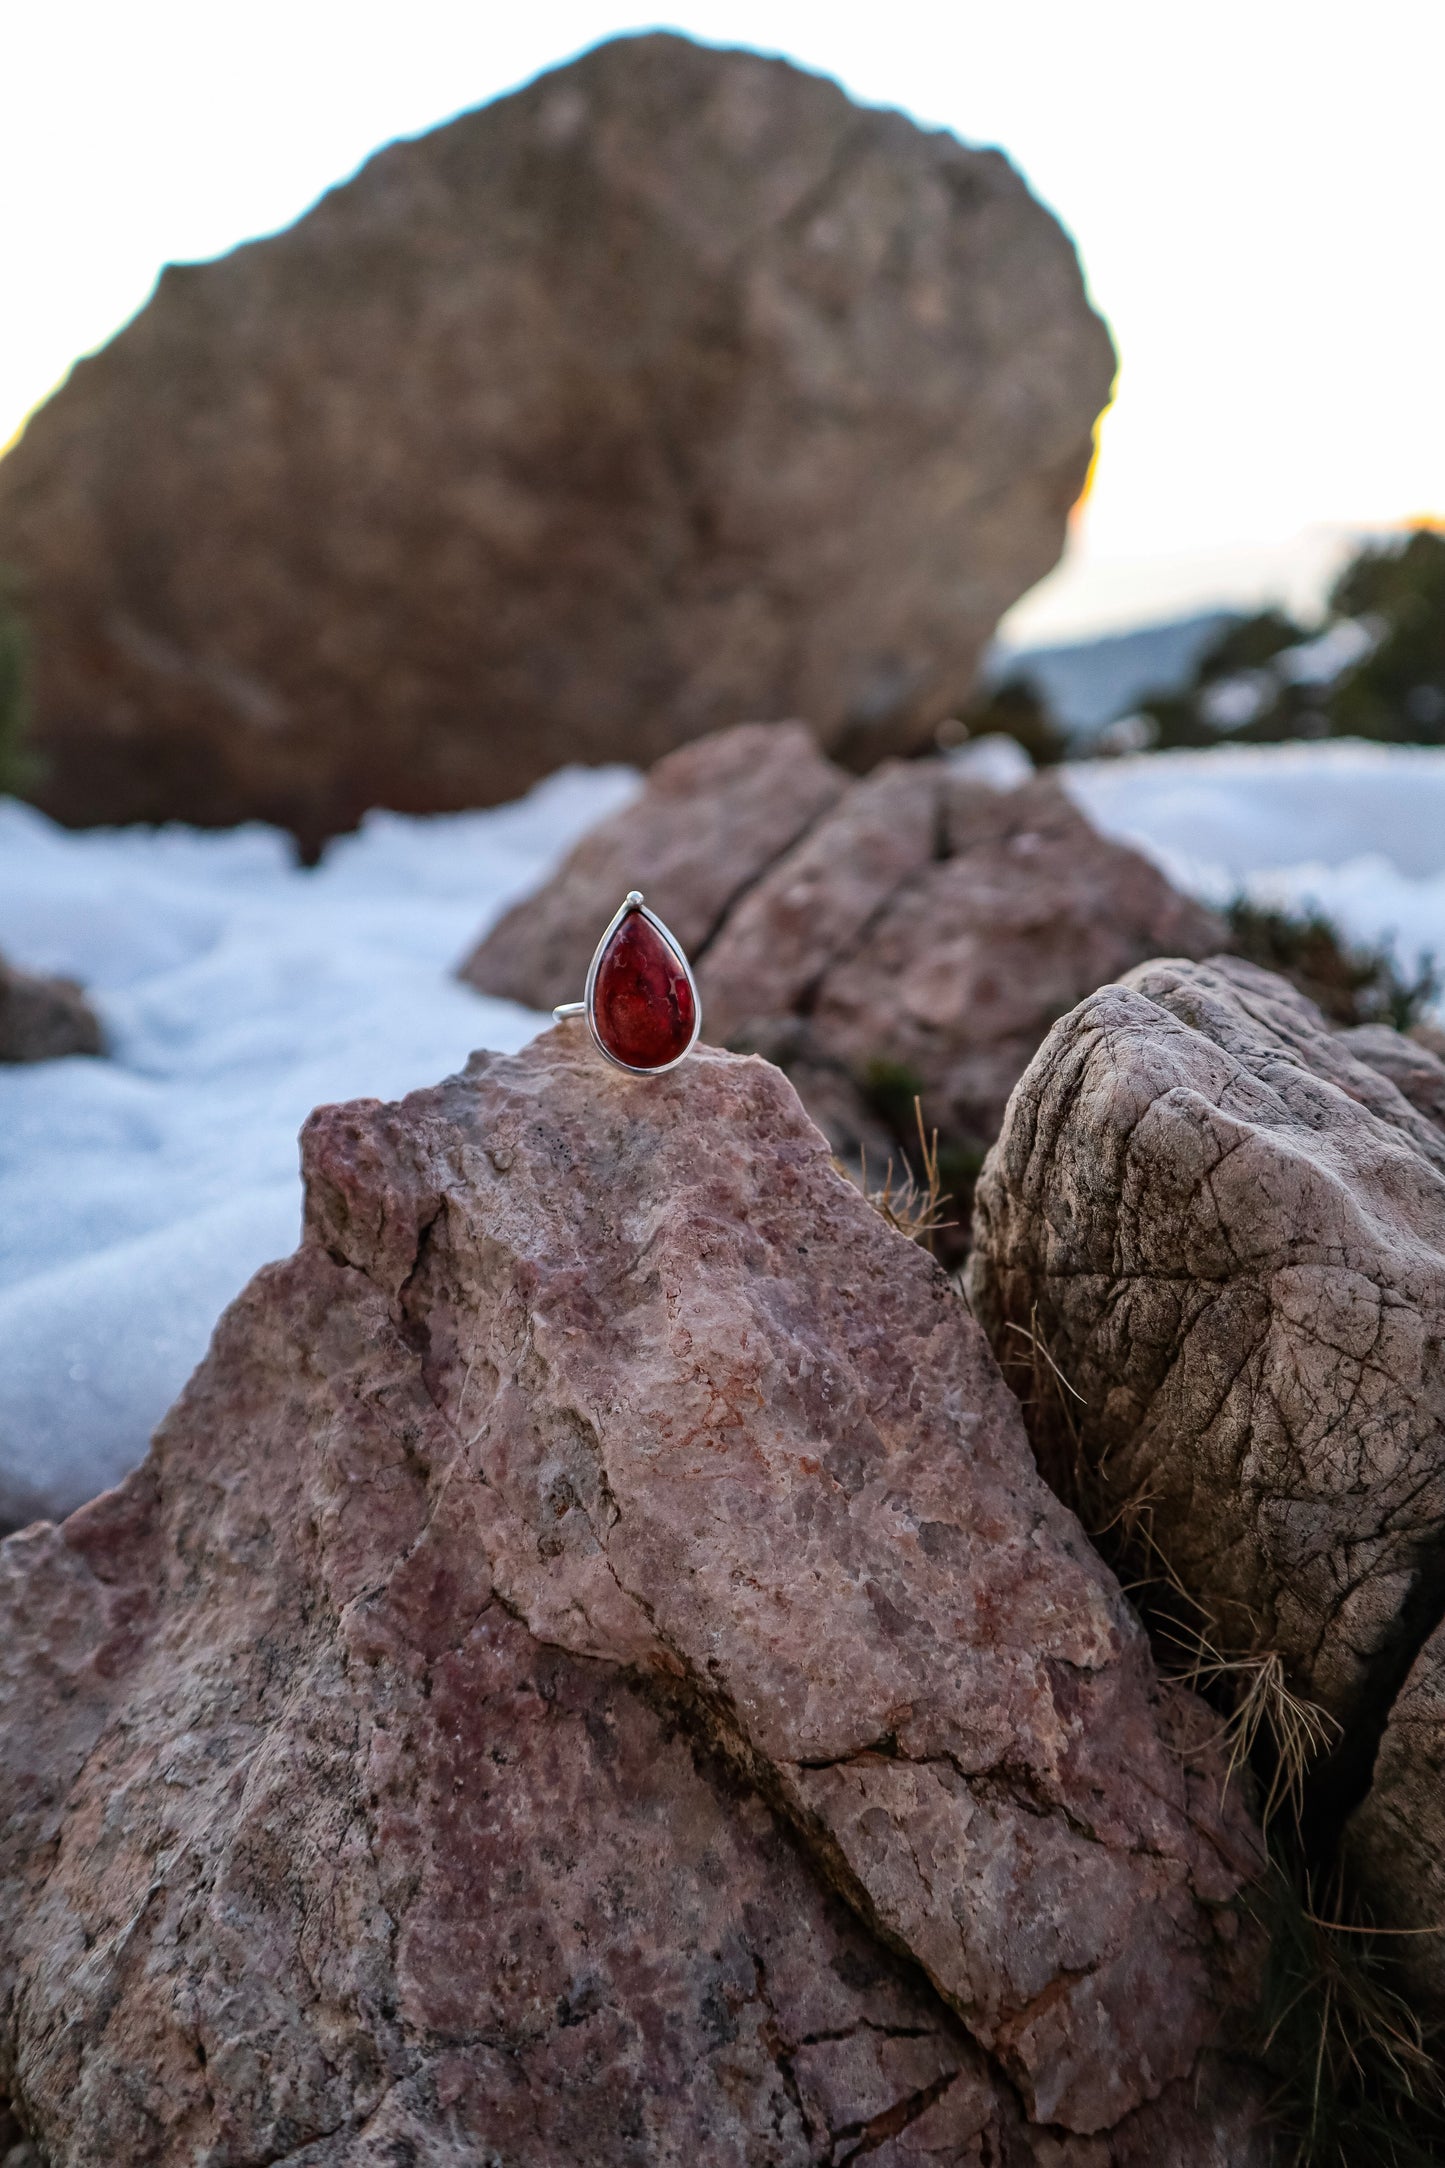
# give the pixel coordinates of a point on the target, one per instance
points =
(643, 1007)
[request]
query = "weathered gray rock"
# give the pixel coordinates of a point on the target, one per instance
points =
(1412, 1065)
(712, 818)
(390, 1767)
(1396, 1839)
(672, 389)
(1229, 1234)
(43, 1019)
(922, 932)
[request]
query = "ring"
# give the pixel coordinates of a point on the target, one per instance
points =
(641, 1002)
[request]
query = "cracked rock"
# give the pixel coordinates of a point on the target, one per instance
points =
(1227, 1229)
(589, 1672)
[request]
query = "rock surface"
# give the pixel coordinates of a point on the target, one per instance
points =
(1396, 1840)
(1229, 1234)
(952, 965)
(712, 818)
(922, 930)
(671, 389)
(43, 1019)
(602, 1547)
(1412, 1065)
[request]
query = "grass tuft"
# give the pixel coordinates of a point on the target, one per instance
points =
(1356, 2077)
(1356, 2074)
(914, 1205)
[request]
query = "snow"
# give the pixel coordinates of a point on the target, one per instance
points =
(1229, 703)
(994, 759)
(1357, 830)
(1329, 655)
(139, 1193)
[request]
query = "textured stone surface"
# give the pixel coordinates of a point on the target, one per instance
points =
(712, 817)
(818, 902)
(670, 390)
(959, 970)
(43, 1019)
(393, 1761)
(1396, 1840)
(1229, 1233)
(1413, 1066)
(922, 926)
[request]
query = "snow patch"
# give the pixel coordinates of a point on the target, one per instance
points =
(1354, 829)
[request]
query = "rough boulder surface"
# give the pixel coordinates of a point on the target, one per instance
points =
(1412, 1064)
(673, 389)
(43, 1019)
(589, 1673)
(713, 818)
(919, 930)
(1395, 1842)
(1227, 1229)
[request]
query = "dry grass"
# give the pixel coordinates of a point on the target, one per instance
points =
(1357, 2076)
(914, 1206)
(1357, 2073)
(1267, 1726)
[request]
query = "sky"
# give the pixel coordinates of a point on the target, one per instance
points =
(1255, 186)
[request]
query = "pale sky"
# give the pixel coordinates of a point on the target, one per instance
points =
(1256, 188)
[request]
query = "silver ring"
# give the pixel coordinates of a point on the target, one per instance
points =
(641, 1000)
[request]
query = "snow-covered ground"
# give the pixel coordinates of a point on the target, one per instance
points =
(1357, 829)
(138, 1194)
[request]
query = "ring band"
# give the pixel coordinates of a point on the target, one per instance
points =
(641, 1002)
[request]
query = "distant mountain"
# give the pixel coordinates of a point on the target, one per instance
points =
(1086, 684)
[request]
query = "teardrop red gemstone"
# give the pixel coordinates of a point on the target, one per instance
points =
(642, 1003)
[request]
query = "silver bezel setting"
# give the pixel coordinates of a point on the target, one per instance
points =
(631, 902)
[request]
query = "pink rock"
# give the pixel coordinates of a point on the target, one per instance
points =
(602, 1540)
(811, 908)
(713, 816)
(1413, 1065)
(962, 971)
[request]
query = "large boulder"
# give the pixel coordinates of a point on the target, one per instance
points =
(674, 388)
(601, 1549)
(918, 934)
(1227, 1231)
